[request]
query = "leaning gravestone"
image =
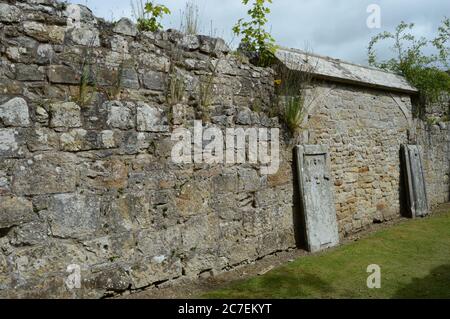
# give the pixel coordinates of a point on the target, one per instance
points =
(316, 193)
(414, 181)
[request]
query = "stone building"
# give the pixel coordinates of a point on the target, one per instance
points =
(88, 189)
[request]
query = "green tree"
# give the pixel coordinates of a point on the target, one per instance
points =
(427, 72)
(255, 36)
(150, 18)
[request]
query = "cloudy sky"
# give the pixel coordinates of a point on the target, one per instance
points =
(336, 28)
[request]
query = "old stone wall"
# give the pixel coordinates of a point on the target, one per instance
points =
(363, 129)
(435, 142)
(86, 177)
(87, 183)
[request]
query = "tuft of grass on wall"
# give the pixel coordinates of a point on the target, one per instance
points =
(190, 19)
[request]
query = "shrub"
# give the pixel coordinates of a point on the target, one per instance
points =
(291, 87)
(255, 37)
(293, 112)
(149, 15)
(424, 71)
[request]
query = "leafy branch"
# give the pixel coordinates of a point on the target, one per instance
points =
(425, 71)
(149, 15)
(255, 37)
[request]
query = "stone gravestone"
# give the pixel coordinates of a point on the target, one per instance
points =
(414, 181)
(316, 194)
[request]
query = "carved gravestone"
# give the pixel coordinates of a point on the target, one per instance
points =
(415, 181)
(316, 194)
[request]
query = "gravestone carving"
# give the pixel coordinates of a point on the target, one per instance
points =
(415, 181)
(316, 194)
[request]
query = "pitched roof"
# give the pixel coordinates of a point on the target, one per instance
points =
(335, 70)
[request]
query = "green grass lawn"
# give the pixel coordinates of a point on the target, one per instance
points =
(414, 258)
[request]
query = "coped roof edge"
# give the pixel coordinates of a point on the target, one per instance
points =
(336, 70)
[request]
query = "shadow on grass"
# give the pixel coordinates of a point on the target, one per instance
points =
(435, 285)
(279, 284)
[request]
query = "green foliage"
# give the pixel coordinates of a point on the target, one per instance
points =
(87, 87)
(176, 87)
(88, 84)
(293, 112)
(149, 16)
(206, 90)
(291, 87)
(425, 72)
(255, 37)
(441, 41)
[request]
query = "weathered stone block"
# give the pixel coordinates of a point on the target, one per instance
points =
(29, 72)
(62, 74)
(135, 142)
(73, 215)
(129, 79)
(108, 139)
(244, 117)
(190, 42)
(45, 54)
(201, 234)
(126, 27)
(84, 35)
(151, 61)
(15, 211)
(114, 279)
(46, 173)
(213, 46)
(65, 115)
(32, 233)
(42, 139)
(44, 33)
(76, 15)
(201, 265)
(73, 140)
(154, 80)
(109, 174)
(11, 143)
(41, 115)
(81, 140)
(282, 177)
(162, 243)
(121, 115)
(150, 119)
(15, 113)
(152, 270)
(249, 180)
(129, 211)
(9, 13)
(192, 199)
(225, 183)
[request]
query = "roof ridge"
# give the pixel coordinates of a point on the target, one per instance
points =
(327, 57)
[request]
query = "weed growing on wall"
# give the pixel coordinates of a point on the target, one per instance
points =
(148, 15)
(176, 85)
(190, 19)
(206, 90)
(88, 84)
(255, 36)
(291, 87)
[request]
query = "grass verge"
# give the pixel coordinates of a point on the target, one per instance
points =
(414, 258)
